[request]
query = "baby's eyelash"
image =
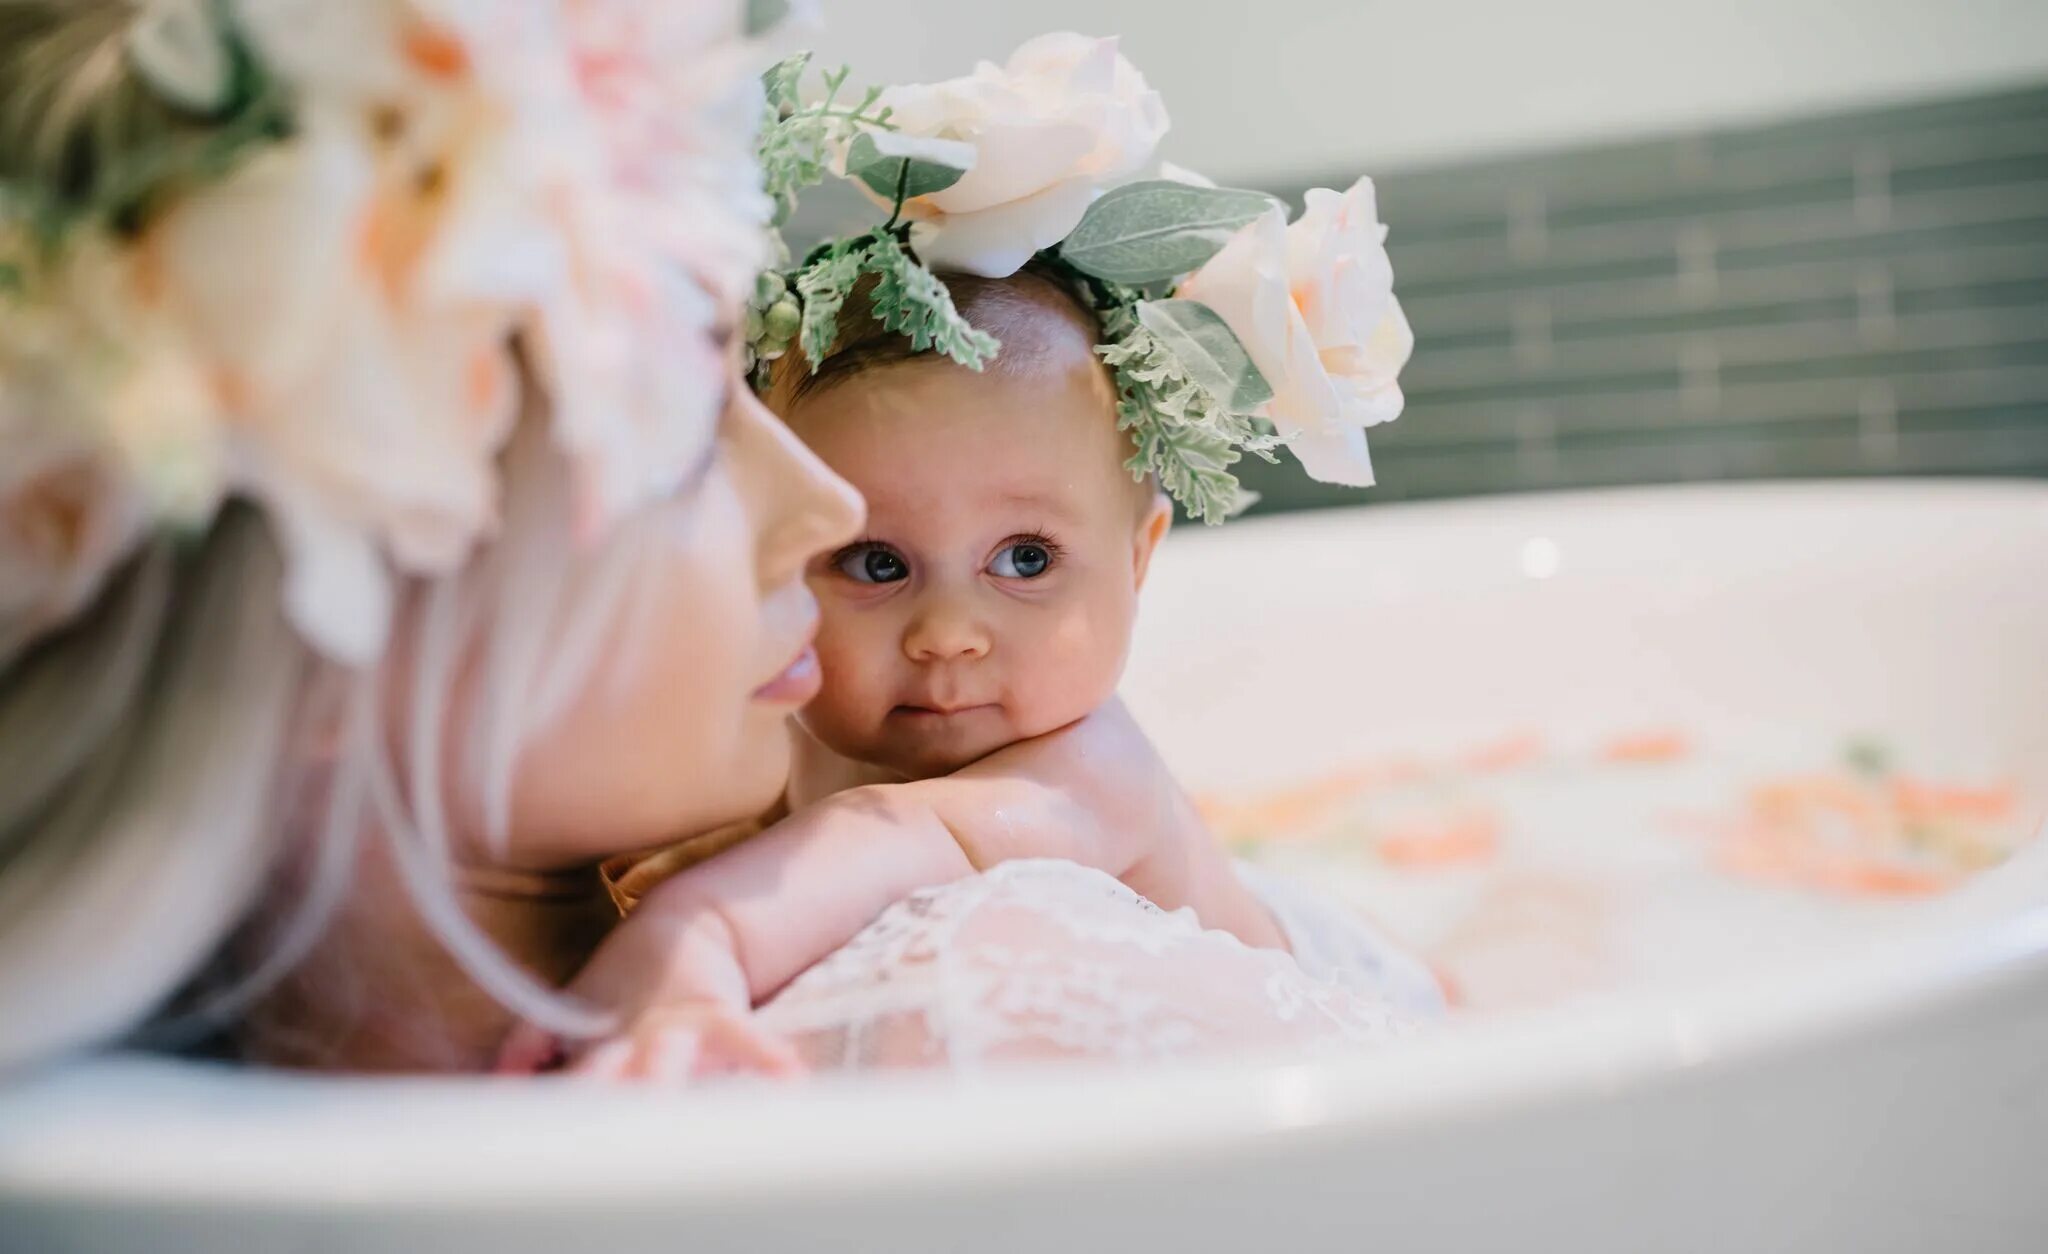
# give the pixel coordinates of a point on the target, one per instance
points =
(1055, 555)
(1044, 541)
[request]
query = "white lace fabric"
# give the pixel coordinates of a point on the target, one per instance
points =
(1045, 960)
(1331, 942)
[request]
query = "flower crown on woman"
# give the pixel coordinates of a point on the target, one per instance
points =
(1229, 330)
(309, 253)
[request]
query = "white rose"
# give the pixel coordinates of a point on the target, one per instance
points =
(1314, 305)
(1064, 118)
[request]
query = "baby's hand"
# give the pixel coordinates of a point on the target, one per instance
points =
(679, 1044)
(671, 972)
(673, 1045)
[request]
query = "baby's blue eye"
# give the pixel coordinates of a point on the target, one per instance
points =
(1023, 560)
(872, 564)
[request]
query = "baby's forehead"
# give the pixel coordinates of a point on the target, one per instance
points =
(1037, 427)
(966, 509)
(989, 444)
(921, 435)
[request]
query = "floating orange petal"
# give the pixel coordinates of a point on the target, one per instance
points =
(1504, 755)
(1802, 800)
(1915, 799)
(1461, 840)
(1289, 812)
(1649, 746)
(1798, 858)
(1857, 878)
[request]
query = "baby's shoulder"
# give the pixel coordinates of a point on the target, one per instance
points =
(1106, 738)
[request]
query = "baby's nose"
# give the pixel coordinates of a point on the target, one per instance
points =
(945, 629)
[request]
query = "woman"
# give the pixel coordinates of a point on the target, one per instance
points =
(444, 388)
(389, 540)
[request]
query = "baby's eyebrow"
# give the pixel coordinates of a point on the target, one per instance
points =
(1026, 499)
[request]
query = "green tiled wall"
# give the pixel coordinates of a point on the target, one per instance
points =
(1858, 294)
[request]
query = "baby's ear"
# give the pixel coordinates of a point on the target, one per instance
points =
(1152, 527)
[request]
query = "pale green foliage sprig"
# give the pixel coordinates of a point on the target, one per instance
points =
(906, 298)
(910, 300)
(823, 286)
(800, 145)
(1182, 432)
(798, 139)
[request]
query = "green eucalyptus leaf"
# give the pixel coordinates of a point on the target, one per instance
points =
(890, 164)
(1208, 351)
(782, 79)
(1155, 231)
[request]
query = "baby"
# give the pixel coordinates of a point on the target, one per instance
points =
(970, 645)
(992, 597)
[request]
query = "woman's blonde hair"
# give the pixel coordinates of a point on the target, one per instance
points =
(178, 749)
(133, 824)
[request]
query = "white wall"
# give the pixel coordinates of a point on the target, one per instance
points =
(1278, 89)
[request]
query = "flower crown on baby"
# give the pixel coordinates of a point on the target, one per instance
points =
(309, 253)
(1229, 330)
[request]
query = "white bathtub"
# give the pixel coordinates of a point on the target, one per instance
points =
(1886, 1092)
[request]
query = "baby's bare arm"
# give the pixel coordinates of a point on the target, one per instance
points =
(737, 927)
(731, 931)
(740, 925)
(1096, 792)
(716, 939)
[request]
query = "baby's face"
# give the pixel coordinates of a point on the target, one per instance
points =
(992, 595)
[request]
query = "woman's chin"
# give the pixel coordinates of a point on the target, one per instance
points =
(758, 777)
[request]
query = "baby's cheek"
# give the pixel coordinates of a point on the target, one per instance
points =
(1076, 668)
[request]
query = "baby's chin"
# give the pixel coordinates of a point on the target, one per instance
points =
(932, 761)
(927, 746)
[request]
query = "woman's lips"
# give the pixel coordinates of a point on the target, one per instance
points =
(797, 683)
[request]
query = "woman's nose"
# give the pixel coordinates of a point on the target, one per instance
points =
(800, 507)
(945, 628)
